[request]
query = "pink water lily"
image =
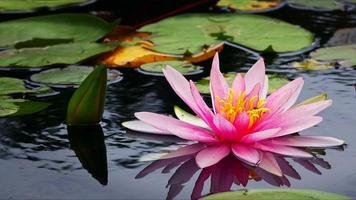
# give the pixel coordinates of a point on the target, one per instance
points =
(243, 120)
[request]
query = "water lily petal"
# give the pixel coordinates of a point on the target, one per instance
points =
(281, 149)
(179, 128)
(308, 141)
(183, 151)
(181, 87)
(261, 135)
(264, 90)
(140, 126)
(290, 127)
(212, 155)
(291, 90)
(241, 123)
(218, 84)
(246, 153)
(255, 75)
(206, 114)
(286, 168)
(238, 85)
(270, 164)
(306, 110)
(225, 129)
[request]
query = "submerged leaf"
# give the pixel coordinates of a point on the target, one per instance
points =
(343, 37)
(316, 4)
(87, 103)
(343, 55)
(271, 194)
(250, 5)
(312, 64)
(70, 53)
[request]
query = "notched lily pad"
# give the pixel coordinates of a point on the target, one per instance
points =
(77, 27)
(11, 86)
(71, 76)
(275, 81)
(183, 67)
(45, 56)
(20, 107)
(271, 194)
(250, 6)
(201, 30)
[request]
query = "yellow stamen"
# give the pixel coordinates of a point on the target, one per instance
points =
(231, 107)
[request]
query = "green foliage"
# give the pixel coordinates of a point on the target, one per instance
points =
(87, 103)
(343, 55)
(190, 33)
(58, 54)
(271, 194)
(75, 27)
(26, 5)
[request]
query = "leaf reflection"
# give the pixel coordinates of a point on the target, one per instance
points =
(230, 171)
(88, 144)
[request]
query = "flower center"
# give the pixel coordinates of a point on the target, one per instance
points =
(232, 106)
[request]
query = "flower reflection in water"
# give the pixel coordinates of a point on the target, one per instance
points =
(274, 169)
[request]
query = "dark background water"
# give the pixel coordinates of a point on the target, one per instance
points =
(37, 160)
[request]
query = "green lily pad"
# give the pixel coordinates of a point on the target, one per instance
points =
(58, 54)
(72, 27)
(201, 30)
(343, 55)
(286, 194)
(71, 76)
(9, 86)
(250, 5)
(183, 67)
(21, 5)
(20, 107)
(275, 82)
(324, 5)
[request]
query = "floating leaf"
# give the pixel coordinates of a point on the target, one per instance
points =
(321, 97)
(10, 86)
(274, 82)
(324, 5)
(87, 103)
(312, 64)
(202, 30)
(250, 5)
(72, 27)
(135, 56)
(58, 54)
(271, 194)
(21, 5)
(19, 107)
(343, 55)
(29, 107)
(70, 76)
(183, 67)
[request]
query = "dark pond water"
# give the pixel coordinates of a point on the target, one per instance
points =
(38, 159)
